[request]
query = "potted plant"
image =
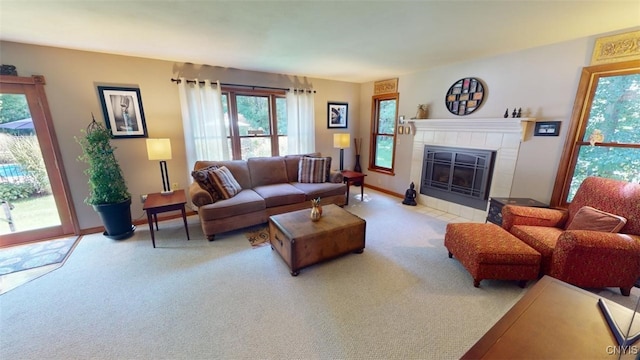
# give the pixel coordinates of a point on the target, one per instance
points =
(108, 193)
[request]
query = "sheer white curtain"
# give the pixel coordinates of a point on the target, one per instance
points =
(205, 134)
(301, 125)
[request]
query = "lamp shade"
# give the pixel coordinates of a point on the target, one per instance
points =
(341, 141)
(159, 149)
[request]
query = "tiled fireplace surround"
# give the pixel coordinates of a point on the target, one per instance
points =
(499, 134)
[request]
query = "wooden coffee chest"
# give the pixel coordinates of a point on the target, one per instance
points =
(302, 242)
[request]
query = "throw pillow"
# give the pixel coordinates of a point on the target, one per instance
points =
(201, 176)
(225, 183)
(328, 164)
(312, 170)
(588, 218)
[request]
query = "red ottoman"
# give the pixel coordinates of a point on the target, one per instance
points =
(488, 251)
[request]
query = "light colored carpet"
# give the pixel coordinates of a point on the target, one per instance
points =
(403, 298)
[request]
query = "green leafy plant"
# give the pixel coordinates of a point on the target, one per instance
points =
(106, 182)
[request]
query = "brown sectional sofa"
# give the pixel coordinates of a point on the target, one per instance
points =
(269, 186)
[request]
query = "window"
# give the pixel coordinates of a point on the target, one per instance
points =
(604, 137)
(383, 131)
(256, 122)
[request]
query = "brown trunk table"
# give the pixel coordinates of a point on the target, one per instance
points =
(302, 242)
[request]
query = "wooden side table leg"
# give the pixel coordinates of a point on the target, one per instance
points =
(184, 218)
(348, 186)
(150, 221)
(155, 216)
(362, 189)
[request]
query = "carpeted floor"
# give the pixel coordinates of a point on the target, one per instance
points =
(403, 298)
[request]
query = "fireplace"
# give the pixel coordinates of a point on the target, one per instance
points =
(459, 175)
(499, 135)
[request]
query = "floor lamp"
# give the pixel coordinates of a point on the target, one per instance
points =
(160, 149)
(341, 141)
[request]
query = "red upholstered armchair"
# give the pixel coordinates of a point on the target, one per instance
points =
(606, 257)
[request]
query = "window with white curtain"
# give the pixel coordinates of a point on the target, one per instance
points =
(235, 122)
(256, 122)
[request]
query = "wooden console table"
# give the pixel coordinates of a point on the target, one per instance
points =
(555, 320)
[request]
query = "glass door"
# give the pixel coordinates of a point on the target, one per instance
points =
(34, 201)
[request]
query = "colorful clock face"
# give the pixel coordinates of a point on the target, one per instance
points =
(465, 96)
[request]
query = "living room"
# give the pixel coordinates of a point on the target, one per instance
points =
(542, 80)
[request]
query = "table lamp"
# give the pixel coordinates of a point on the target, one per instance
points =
(341, 141)
(160, 149)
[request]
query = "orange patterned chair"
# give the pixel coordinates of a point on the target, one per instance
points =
(595, 243)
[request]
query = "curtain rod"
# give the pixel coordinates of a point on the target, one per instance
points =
(241, 85)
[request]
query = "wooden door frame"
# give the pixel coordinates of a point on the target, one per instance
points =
(33, 88)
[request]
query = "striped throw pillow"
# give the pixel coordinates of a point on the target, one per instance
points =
(203, 178)
(224, 182)
(312, 170)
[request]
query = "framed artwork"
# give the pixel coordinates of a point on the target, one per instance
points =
(465, 96)
(337, 115)
(547, 128)
(123, 113)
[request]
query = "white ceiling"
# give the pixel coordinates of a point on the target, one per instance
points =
(354, 41)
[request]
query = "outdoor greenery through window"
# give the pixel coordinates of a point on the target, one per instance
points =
(383, 139)
(607, 140)
(256, 122)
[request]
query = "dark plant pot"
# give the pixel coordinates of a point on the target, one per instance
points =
(116, 219)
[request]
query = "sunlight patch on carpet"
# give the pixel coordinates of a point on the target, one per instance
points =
(258, 235)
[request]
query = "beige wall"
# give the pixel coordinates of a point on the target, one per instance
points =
(542, 81)
(72, 77)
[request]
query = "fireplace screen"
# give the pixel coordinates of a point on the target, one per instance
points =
(458, 175)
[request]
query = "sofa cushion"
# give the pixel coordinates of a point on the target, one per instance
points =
(203, 178)
(246, 201)
(224, 182)
(267, 170)
(321, 190)
(588, 218)
(312, 170)
(280, 194)
(292, 163)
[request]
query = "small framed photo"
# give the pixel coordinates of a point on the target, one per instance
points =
(547, 128)
(123, 113)
(337, 115)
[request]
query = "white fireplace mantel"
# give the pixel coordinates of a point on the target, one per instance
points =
(503, 135)
(505, 125)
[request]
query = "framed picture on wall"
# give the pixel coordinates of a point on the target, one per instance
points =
(547, 128)
(123, 113)
(337, 115)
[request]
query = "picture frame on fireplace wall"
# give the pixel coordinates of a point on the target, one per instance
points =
(547, 128)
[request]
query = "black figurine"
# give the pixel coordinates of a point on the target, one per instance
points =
(506, 113)
(514, 113)
(519, 112)
(410, 196)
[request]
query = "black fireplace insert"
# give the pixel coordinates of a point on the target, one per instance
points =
(458, 175)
